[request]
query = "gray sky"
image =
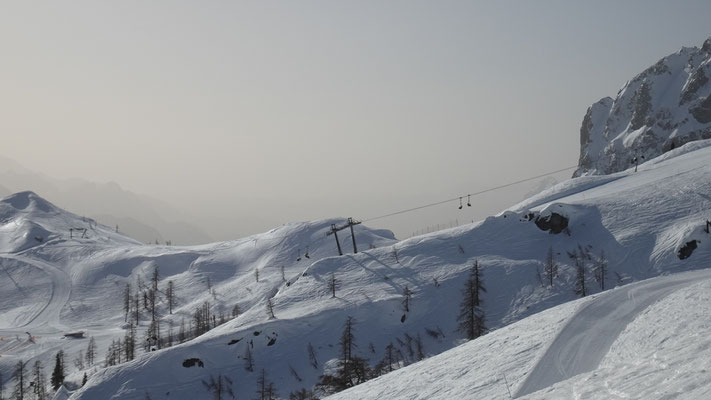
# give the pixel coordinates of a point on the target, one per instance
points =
(251, 114)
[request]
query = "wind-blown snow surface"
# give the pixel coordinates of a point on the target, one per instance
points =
(640, 220)
(580, 350)
(664, 107)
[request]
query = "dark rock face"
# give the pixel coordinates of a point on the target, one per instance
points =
(555, 223)
(191, 362)
(702, 112)
(686, 250)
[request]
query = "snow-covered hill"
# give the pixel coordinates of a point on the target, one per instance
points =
(664, 107)
(640, 220)
(647, 223)
(648, 340)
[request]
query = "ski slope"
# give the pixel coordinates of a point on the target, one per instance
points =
(640, 220)
(623, 352)
(587, 337)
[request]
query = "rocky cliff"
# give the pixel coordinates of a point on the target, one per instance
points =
(665, 106)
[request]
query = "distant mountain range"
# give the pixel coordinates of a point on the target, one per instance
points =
(138, 216)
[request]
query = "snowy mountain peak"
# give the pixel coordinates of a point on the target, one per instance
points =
(664, 107)
(28, 201)
(28, 220)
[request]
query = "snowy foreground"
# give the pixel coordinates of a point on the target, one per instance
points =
(643, 225)
(647, 340)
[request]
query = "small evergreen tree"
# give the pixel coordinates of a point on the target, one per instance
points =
(57, 378)
(270, 309)
(18, 374)
(182, 333)
(578, 257)
(248, 359)
(352, 370)
(84, 379)
(220, 387)
(406, 298)
(550, 269)
(265, 388)
(471, 315)
(129, 342)
(126, 301)
(170, 296)
(39, 386)
(91, 351)
(333, 284)
(601, 270)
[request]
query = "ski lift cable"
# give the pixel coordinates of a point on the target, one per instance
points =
(469, 195)
(458, 198)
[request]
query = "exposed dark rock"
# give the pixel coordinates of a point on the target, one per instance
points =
(686, 250)
(191, 362)
(642, 104)
(256, 333)
(403, 318)
(707, 45)
(698, 80)
(233, 341)
(271, 341)
(555, 223)
(702, 112)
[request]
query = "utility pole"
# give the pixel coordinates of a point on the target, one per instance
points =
(334, 231)
(351, 222)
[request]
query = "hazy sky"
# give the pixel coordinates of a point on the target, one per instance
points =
(251, 114)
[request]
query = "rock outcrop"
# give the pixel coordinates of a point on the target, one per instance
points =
(664, 107)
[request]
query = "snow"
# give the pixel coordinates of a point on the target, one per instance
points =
(646, 340)
(640, 220)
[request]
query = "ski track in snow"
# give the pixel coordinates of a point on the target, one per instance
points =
(587, 337)
(48, 315)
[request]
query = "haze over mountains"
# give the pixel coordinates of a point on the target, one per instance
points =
(139, 216)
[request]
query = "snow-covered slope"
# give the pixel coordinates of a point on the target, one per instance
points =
(640, 220)
(664, 107)
(644, 222)
(648, 340)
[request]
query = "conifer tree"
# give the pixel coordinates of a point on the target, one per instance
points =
(19, 391)
(407, 296)
(578, 257)
(220, 387)
(126, 301)
(352, 370)
(265, 388)
(182, 333)
(91, 351)
(601, 270)
(248, 359)
(550, 269)
(471, 315)
(39, 386)
(57, 378)
(270, 309)
(333, 284)
(170, 296)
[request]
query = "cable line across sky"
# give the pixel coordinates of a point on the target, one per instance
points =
(468, 195)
